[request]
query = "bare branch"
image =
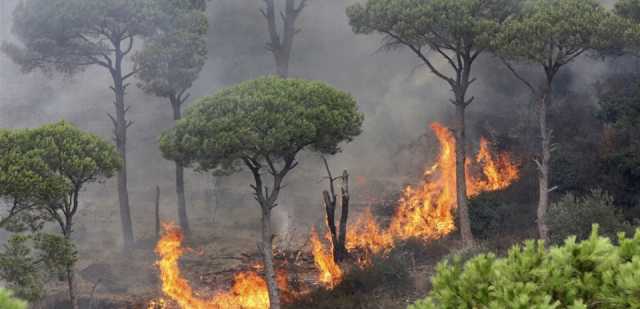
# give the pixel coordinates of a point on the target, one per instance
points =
(517, 75)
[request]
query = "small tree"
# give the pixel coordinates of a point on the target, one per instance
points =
(551, 34)
(70, 35)
(263, 124)
(43, 171)
(457, 32)
(7, 301)
(169, 64)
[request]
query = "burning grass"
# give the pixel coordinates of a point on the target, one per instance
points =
(425, 212)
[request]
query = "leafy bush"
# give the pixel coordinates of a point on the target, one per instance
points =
(590, 274)
(573, 215)
(7, 301)
(499, 213)
(27, 262)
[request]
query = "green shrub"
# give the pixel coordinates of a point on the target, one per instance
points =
(7, 301)
(590, 274)
(573, 215)
(494, 214)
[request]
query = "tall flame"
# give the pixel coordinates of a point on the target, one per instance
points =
(249, 290)
(427, 211)
(330, 273)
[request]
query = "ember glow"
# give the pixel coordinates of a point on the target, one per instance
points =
(249, 290)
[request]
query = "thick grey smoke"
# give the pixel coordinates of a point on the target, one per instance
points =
(398, 96)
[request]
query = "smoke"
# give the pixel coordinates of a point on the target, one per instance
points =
(397, 94)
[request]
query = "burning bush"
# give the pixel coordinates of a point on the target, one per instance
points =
(574, 275)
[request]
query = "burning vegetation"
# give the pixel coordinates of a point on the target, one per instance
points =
(425, 212)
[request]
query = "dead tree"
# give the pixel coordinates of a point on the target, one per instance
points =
(338, 237)
(281, 46)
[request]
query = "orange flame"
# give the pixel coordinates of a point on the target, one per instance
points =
(330, 272)
(427, 211)
(249, 290)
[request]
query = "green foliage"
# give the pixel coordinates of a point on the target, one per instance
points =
(554, 32)
(487, 215)
(574, 216)
(42, 170)
(7, 301)
(20, 270)
(67, 35)
(268, 119)
(28, 261)
(437, 24)
(590, 274)
(172, 58)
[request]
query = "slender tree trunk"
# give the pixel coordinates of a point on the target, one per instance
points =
(121, 124)
(69, 267)
(544, 165)
(344, 216)
(461, 186)
(182, 204)
(267, 254)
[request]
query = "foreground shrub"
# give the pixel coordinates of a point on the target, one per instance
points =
(573, 215)
(7, 301)
(590, 274)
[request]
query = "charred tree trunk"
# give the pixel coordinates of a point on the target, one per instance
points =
(330, 210)
(157, 212)
(120, 135)
(344, 217)
(176, 103)
(281, 47)
(544, 163)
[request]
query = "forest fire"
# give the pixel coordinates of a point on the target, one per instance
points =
(425, 211)
(330, 273)
(249, 290)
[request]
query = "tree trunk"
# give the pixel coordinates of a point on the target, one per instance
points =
(543, 166)
(182, 204)
(330, 211)
(461, 186)
(157, 212)
(69, 268)
(267, 254)
(281, 48)
(121, 124)
(344, 216)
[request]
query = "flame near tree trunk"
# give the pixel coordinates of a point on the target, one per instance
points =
(249, 290)
(425, 211)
